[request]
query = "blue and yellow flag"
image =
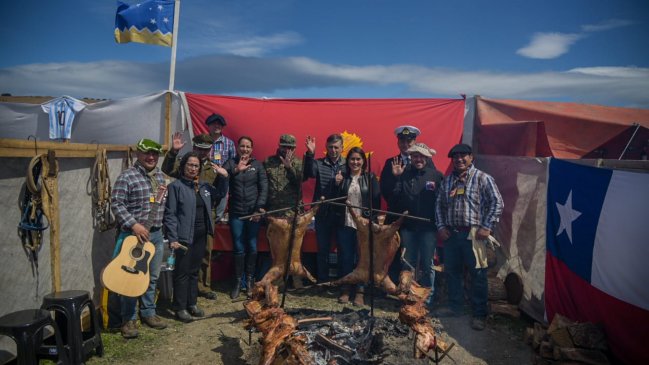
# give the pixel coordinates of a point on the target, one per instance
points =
(149, 22)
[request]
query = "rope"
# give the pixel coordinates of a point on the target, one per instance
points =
(100, 190)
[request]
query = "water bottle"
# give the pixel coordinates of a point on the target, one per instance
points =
(171, 260)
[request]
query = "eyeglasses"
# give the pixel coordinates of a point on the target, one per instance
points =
(192, 165)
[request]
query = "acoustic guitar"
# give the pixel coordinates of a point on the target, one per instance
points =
(128, 273)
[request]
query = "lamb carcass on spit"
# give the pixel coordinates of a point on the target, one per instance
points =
(278, 233)
(386, 244)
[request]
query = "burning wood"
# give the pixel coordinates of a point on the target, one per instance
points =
(386, 244)
(278, 233)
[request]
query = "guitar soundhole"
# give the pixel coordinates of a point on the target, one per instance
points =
(136, 253)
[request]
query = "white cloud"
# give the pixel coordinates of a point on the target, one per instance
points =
(258, 45)
(606, 25)
(548, 45)
(233, 75)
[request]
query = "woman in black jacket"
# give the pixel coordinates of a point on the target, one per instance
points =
(416, 191)
(356, 185)
(248, 194)
(187, 222)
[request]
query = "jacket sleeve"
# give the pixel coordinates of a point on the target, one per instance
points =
(218, 189)
(171, 165)
(441, 205)
(170, 220)
(310, 166)
(491, 202)
(262, 187)
(376, 192)
(387, 181)
(294, 174)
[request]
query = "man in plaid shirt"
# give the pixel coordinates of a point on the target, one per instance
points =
(468, 203)
(133, 198)
(222, 150)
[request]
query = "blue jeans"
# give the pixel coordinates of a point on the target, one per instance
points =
(244, 235)
(420, 247)
(324, 230)
(458, 251)
(347, 250)
(147, 300)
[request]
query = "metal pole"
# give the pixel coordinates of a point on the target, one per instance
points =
(637, 126)
(291, 238)
(174, 42)
(371, 237)
(285, 209)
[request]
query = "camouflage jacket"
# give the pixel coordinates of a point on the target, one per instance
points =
(171, 167)
(283, 183)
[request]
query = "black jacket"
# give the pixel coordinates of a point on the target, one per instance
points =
(180, 208)
(416, 191)
(248, 189)
(364, 182)
(325, 185)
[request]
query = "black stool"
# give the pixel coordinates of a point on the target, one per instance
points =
(79, 343)
(26, 328)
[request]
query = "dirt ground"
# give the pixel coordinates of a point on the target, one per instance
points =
(219, 338)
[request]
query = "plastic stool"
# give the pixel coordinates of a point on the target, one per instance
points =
(70, 304)
(26, 328)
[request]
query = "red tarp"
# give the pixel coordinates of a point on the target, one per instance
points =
(562, 130)
(372, 120)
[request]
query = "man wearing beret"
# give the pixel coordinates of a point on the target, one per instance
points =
(211, 173)
(468, 207)
(139, 213)
(222, 150)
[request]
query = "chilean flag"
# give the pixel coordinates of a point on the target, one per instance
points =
(597, 263)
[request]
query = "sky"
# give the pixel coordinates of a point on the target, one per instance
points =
(587, 51)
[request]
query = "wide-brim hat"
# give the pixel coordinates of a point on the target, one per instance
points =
(147, 145)
(420, 148)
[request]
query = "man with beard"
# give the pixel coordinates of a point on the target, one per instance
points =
(210, 173)
(132, 202)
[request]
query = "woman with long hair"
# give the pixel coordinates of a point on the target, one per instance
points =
(248, 194)
(187, 221)
(355, 183)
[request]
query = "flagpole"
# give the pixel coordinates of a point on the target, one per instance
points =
(174, 43)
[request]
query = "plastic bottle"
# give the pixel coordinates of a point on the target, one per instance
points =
(171, 260)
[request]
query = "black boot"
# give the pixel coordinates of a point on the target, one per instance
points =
(238, 273)
(251, 264)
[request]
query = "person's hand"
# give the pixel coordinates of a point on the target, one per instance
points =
(286, 160)
(339, 178)
(397, 166)
(482, 233)
(140, 232)
(310, 144)
(219, 170)
(258, 217)
(175, 245)
(177, 142)
(443, 234)
(243, 164)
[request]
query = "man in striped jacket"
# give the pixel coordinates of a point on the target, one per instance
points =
(468, 207)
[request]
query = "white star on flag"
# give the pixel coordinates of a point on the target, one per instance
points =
(165, 19)
(567, 215)
(159, 7)
(152, 21)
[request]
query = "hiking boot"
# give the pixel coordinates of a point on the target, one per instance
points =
(195, 311)
(478, 324)
(129, 329)
(183, 316)
(154, 322)
(446, 312)
(344, 297)
(208, 295)
(359, 299)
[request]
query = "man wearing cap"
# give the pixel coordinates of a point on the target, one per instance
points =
(406, 137)
(211, 173)
(138, 212)
(222, 150)
(416, 191)
(284, 172)
(324, 171)
(468, 208)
